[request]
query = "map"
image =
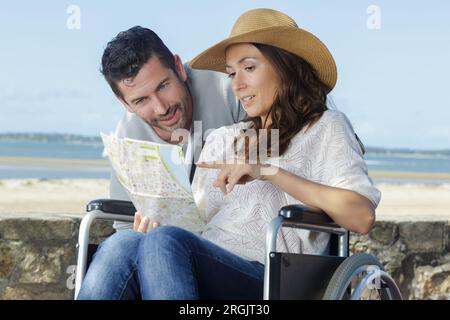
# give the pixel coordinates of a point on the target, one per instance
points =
(156, 179)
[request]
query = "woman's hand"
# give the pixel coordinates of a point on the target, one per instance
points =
(234, 173)
(141, 224)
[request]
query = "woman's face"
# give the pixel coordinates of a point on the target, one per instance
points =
(254, 80)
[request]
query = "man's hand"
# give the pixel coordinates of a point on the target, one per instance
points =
(141, 224)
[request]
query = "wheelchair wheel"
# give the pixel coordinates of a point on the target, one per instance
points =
(361, 277)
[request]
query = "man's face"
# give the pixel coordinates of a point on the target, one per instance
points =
(158, 96)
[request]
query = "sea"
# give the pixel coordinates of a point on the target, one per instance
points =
(52, 149)
(377, 159)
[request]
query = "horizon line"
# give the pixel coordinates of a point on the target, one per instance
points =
(97, 137)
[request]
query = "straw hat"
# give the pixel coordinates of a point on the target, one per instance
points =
(274, 28)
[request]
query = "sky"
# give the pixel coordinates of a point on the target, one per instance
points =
(393, 60)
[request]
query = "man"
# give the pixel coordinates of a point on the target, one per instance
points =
(162, 98)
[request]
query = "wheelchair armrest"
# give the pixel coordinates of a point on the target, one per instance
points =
(306, 215)
(121, 207)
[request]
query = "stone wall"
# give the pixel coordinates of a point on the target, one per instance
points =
(38, 256)
(416, 254)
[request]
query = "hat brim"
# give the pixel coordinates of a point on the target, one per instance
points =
(295, 40)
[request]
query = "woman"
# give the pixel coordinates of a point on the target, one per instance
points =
(281, 74)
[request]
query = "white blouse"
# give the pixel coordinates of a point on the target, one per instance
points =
(327, 153)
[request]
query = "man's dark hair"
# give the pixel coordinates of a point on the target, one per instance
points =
(129, 51)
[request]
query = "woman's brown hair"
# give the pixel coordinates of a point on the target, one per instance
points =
(300, 101)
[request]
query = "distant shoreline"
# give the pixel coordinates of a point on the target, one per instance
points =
(50, 162)
(66, 162)
(410, 175)
(96, 140)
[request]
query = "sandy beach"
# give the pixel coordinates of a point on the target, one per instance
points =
(61, 196)
(70, 196)
(400, 201)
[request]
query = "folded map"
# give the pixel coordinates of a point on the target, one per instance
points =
(156, 179)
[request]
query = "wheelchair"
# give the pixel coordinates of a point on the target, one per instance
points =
(288, 276)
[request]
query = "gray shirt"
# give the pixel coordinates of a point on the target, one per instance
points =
(213, 104)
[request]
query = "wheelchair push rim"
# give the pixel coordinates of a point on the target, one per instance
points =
(361, 277)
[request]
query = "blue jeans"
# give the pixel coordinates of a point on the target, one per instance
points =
(170, 263)
(112, 273)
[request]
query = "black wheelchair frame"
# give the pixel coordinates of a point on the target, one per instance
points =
(335, 276)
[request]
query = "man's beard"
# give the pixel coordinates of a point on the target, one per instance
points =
(172, 110)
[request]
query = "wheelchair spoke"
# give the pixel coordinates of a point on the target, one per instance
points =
(361, 277)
